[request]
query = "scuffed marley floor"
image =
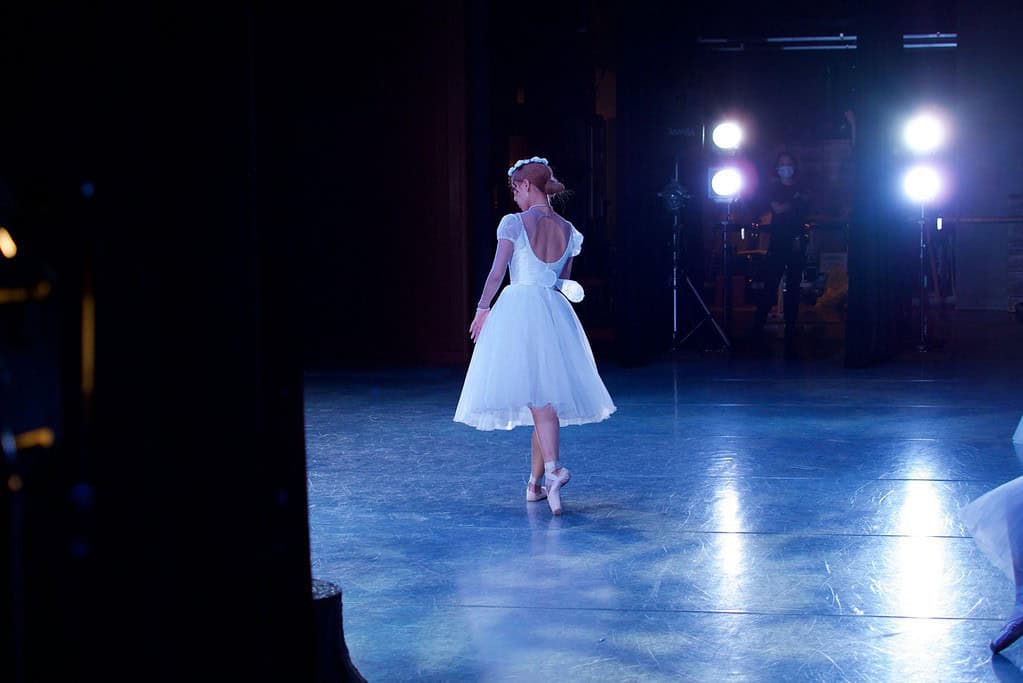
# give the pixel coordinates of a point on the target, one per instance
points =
(734, 520)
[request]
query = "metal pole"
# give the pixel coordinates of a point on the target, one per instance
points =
(674, 283)
(922, 346)
(726, 300)
(674, 269)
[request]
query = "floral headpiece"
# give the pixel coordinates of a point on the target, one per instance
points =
(522, 162)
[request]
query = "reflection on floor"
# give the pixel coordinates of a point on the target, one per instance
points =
(736, 519)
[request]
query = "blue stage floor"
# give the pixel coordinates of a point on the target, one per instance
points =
(735, 520)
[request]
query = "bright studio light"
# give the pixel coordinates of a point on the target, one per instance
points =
(7, 245)
(727, 135)
(726, 183)
(924, 133)
(922, 184)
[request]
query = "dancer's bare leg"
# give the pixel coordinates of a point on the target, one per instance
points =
(534, 491)
(547, 430)
(537, 457)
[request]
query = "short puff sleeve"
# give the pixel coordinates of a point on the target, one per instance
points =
(575, 243)
(509, 228)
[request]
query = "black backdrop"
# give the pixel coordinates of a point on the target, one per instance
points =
(164, 535)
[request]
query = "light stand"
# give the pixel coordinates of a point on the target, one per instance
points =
(922, 347)
(726, 295)
(675, 197)
(725, 185)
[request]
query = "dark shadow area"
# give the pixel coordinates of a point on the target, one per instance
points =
(153, 501)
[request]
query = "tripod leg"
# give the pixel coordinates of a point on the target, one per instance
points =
(721, 332)
(691, 332)
(706, 315)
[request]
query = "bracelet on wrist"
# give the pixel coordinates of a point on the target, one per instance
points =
(480, 310)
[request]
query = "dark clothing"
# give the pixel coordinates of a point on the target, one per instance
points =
(774, 266)
(785, 255)
(786, 225)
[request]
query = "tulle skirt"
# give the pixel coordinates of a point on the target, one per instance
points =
(995, 520)
(532, 352)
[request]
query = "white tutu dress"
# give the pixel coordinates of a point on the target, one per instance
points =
(995, 520)
(533, 350)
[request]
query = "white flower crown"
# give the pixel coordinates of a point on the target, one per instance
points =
(522, 162)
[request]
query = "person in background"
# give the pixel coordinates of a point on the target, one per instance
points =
(786, 199)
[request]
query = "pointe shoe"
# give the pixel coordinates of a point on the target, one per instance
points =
(539, 494)
(1009, 634)
(555, 480)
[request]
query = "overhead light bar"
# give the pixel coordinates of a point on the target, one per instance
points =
(818, 47)
(813, 39)
(841, 41)
(923, 41)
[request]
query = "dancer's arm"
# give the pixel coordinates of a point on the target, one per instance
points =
(566, 272)
(502, 257)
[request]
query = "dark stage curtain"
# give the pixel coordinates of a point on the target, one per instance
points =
(166, 529)
(642, 312)
(880, 242)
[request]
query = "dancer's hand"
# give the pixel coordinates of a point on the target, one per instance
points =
(477, 324)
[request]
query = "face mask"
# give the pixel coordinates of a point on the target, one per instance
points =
(786, 171)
